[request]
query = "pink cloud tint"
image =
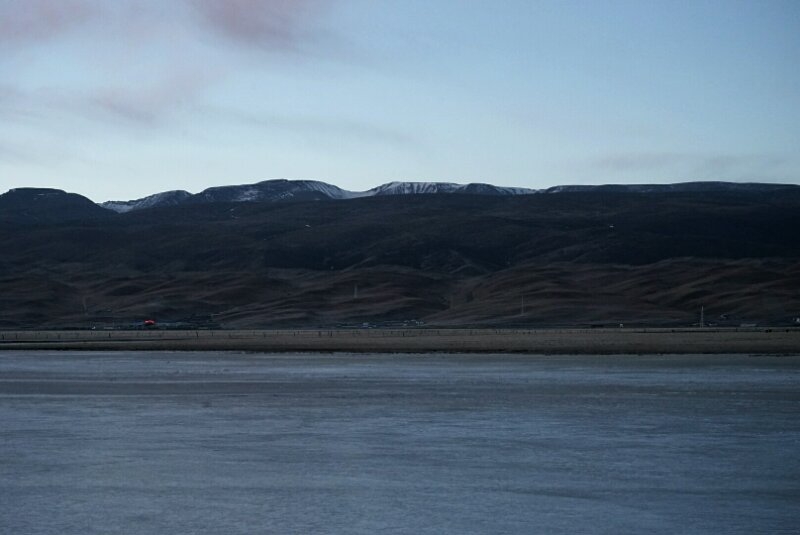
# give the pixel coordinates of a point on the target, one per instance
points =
(33, 20)
(274, 23)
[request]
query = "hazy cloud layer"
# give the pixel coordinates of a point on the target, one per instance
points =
(9, 97)
(144, 87)
(641, 161)
(361, 132)
(148, 104)
(697, 166)
(276, 24)
(21, 106)
(11, 154)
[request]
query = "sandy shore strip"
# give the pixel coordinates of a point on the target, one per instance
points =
(562, 341)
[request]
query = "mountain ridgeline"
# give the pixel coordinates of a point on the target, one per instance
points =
(312, 190)
(41, 205)
(306, 253)
(304, 190)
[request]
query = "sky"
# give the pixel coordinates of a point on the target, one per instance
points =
(120, 99)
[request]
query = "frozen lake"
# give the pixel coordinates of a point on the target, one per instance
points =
(149, 443)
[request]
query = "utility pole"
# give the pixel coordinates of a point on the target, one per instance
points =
(522, 305)
(702, 316)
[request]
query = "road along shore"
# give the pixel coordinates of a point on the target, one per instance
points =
(774, 341)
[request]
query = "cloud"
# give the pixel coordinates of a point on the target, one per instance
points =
(146, 104)
(12, 154)
(35, 20)
(275, 24)
(695, 166)
(745, 165)
(17, 105)
(640, 161)
(21, 153)
(281, 25)
(143, 40)
(149, 104)
(9, 97)
(321, 127)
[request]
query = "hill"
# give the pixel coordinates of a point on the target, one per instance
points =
(587, 257)
(303, 190)
(43, 205)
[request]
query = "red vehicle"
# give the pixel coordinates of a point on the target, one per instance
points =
(149, 323)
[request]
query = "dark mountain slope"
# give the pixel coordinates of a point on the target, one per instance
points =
(41, 205)
(489, 232)
(574, 258)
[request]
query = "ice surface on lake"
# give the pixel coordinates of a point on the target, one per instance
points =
(142, 443)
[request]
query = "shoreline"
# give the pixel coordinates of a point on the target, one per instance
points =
(772, 341)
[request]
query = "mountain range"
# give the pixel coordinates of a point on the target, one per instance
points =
(303, 190)
(305, 253)
(41, 204)
(310, 190)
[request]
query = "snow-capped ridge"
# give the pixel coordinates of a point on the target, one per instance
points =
(282, 190)
(417, 188)
(165, 198)
(412, 188)
(303, 190)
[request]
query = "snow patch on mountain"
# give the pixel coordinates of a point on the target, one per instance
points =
(331, 191)
(417, 188)
(412, 188)
(272, 191)
(166, 198)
